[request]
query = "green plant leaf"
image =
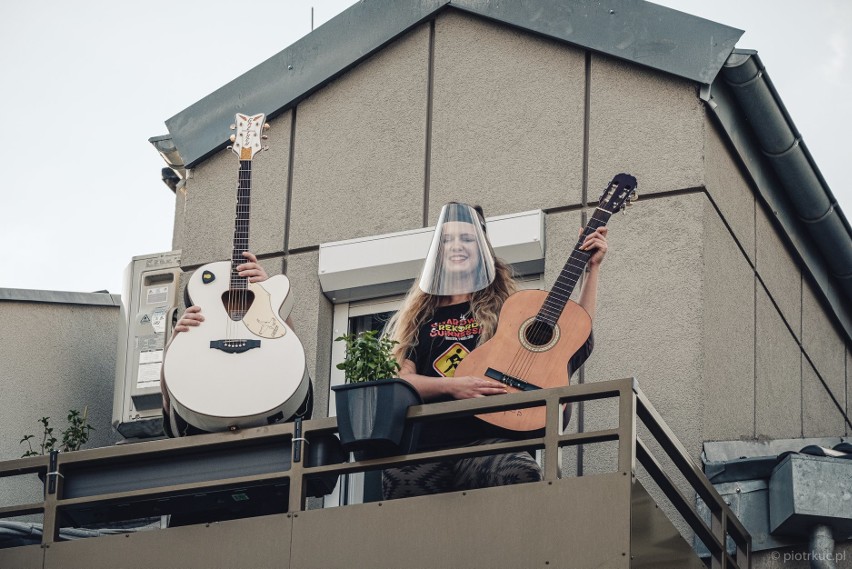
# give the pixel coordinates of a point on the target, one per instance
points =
(368, 357)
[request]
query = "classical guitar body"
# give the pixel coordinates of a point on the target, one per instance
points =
(519, 352)
(230, 373)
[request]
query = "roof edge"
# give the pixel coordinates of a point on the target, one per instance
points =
(289, 76)
(636, 31)
(59, 297)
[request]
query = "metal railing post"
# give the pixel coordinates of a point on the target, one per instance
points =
(52, 494)
(552, 454)
(627, 429)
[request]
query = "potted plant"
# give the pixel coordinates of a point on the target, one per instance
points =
(372, 404)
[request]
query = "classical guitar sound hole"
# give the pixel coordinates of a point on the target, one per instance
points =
(539, 333)
(237, 303)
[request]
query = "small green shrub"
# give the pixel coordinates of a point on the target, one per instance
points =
(74, 436)
(368, 357)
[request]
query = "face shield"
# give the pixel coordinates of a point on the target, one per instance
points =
(459, 260)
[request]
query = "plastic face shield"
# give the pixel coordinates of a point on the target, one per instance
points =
(459, 260)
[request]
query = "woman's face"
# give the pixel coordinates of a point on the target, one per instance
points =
(461, 253)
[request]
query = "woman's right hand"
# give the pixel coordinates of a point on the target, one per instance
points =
(462, 387)
(191, 318)
(466, 387)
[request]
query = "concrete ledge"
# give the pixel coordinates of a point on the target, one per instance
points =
(60, 297)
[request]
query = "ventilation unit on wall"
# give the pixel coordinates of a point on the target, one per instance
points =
(151, 291)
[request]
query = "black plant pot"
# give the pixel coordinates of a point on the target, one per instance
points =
(371, 417)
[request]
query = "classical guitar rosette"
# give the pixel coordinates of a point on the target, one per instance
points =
(548, 335)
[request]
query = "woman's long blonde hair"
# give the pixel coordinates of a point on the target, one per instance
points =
(418, 307)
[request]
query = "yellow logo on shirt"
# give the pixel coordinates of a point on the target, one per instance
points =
(446, 363)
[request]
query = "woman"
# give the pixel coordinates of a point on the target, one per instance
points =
(453, 309)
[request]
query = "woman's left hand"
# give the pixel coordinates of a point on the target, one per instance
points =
(595, 242)
(252, 269)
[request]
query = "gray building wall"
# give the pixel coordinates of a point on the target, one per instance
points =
(58, 353)
(701, 299)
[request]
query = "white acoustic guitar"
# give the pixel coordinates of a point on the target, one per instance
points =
(243, 366)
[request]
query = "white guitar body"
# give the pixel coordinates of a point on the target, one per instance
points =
(235, 385)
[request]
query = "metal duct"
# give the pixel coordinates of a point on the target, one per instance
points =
(784, 149)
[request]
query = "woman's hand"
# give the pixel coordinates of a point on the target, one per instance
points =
(595, 242)
(463, 387)
(252, 270)
(191, 318)
(466, 387)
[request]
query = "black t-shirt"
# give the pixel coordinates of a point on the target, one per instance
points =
(442, 343)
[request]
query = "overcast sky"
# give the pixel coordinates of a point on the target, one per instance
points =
(86, 83)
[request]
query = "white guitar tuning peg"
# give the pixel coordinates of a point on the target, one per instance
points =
(229, 147)
(265, 137)
(266, 148)
(232, 138)
(233, 127)
(266, 126)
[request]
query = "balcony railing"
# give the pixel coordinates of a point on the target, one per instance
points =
(550, 522)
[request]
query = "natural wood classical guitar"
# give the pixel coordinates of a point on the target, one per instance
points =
(538, 331)
(243, 366)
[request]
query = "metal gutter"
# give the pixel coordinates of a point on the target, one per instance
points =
(785, 175)
(632, 30)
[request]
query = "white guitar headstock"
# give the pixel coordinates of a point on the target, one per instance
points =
(247, 139)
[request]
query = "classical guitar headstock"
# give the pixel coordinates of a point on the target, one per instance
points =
(620, 193)
(247, 139)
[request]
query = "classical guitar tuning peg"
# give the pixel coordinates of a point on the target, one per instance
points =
(233, 127)
(232, 138)
(266, 126)
(265, 137)
(266, 148)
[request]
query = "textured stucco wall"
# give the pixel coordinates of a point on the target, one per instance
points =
(769, 312)
(646, 123)
(312, 318)
(648, 324)
(55, 357)
(360, 148)
(507, 124)
(728, 386)
(730, 191)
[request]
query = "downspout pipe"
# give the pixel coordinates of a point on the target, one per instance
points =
(784, 149)
(822, 547)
